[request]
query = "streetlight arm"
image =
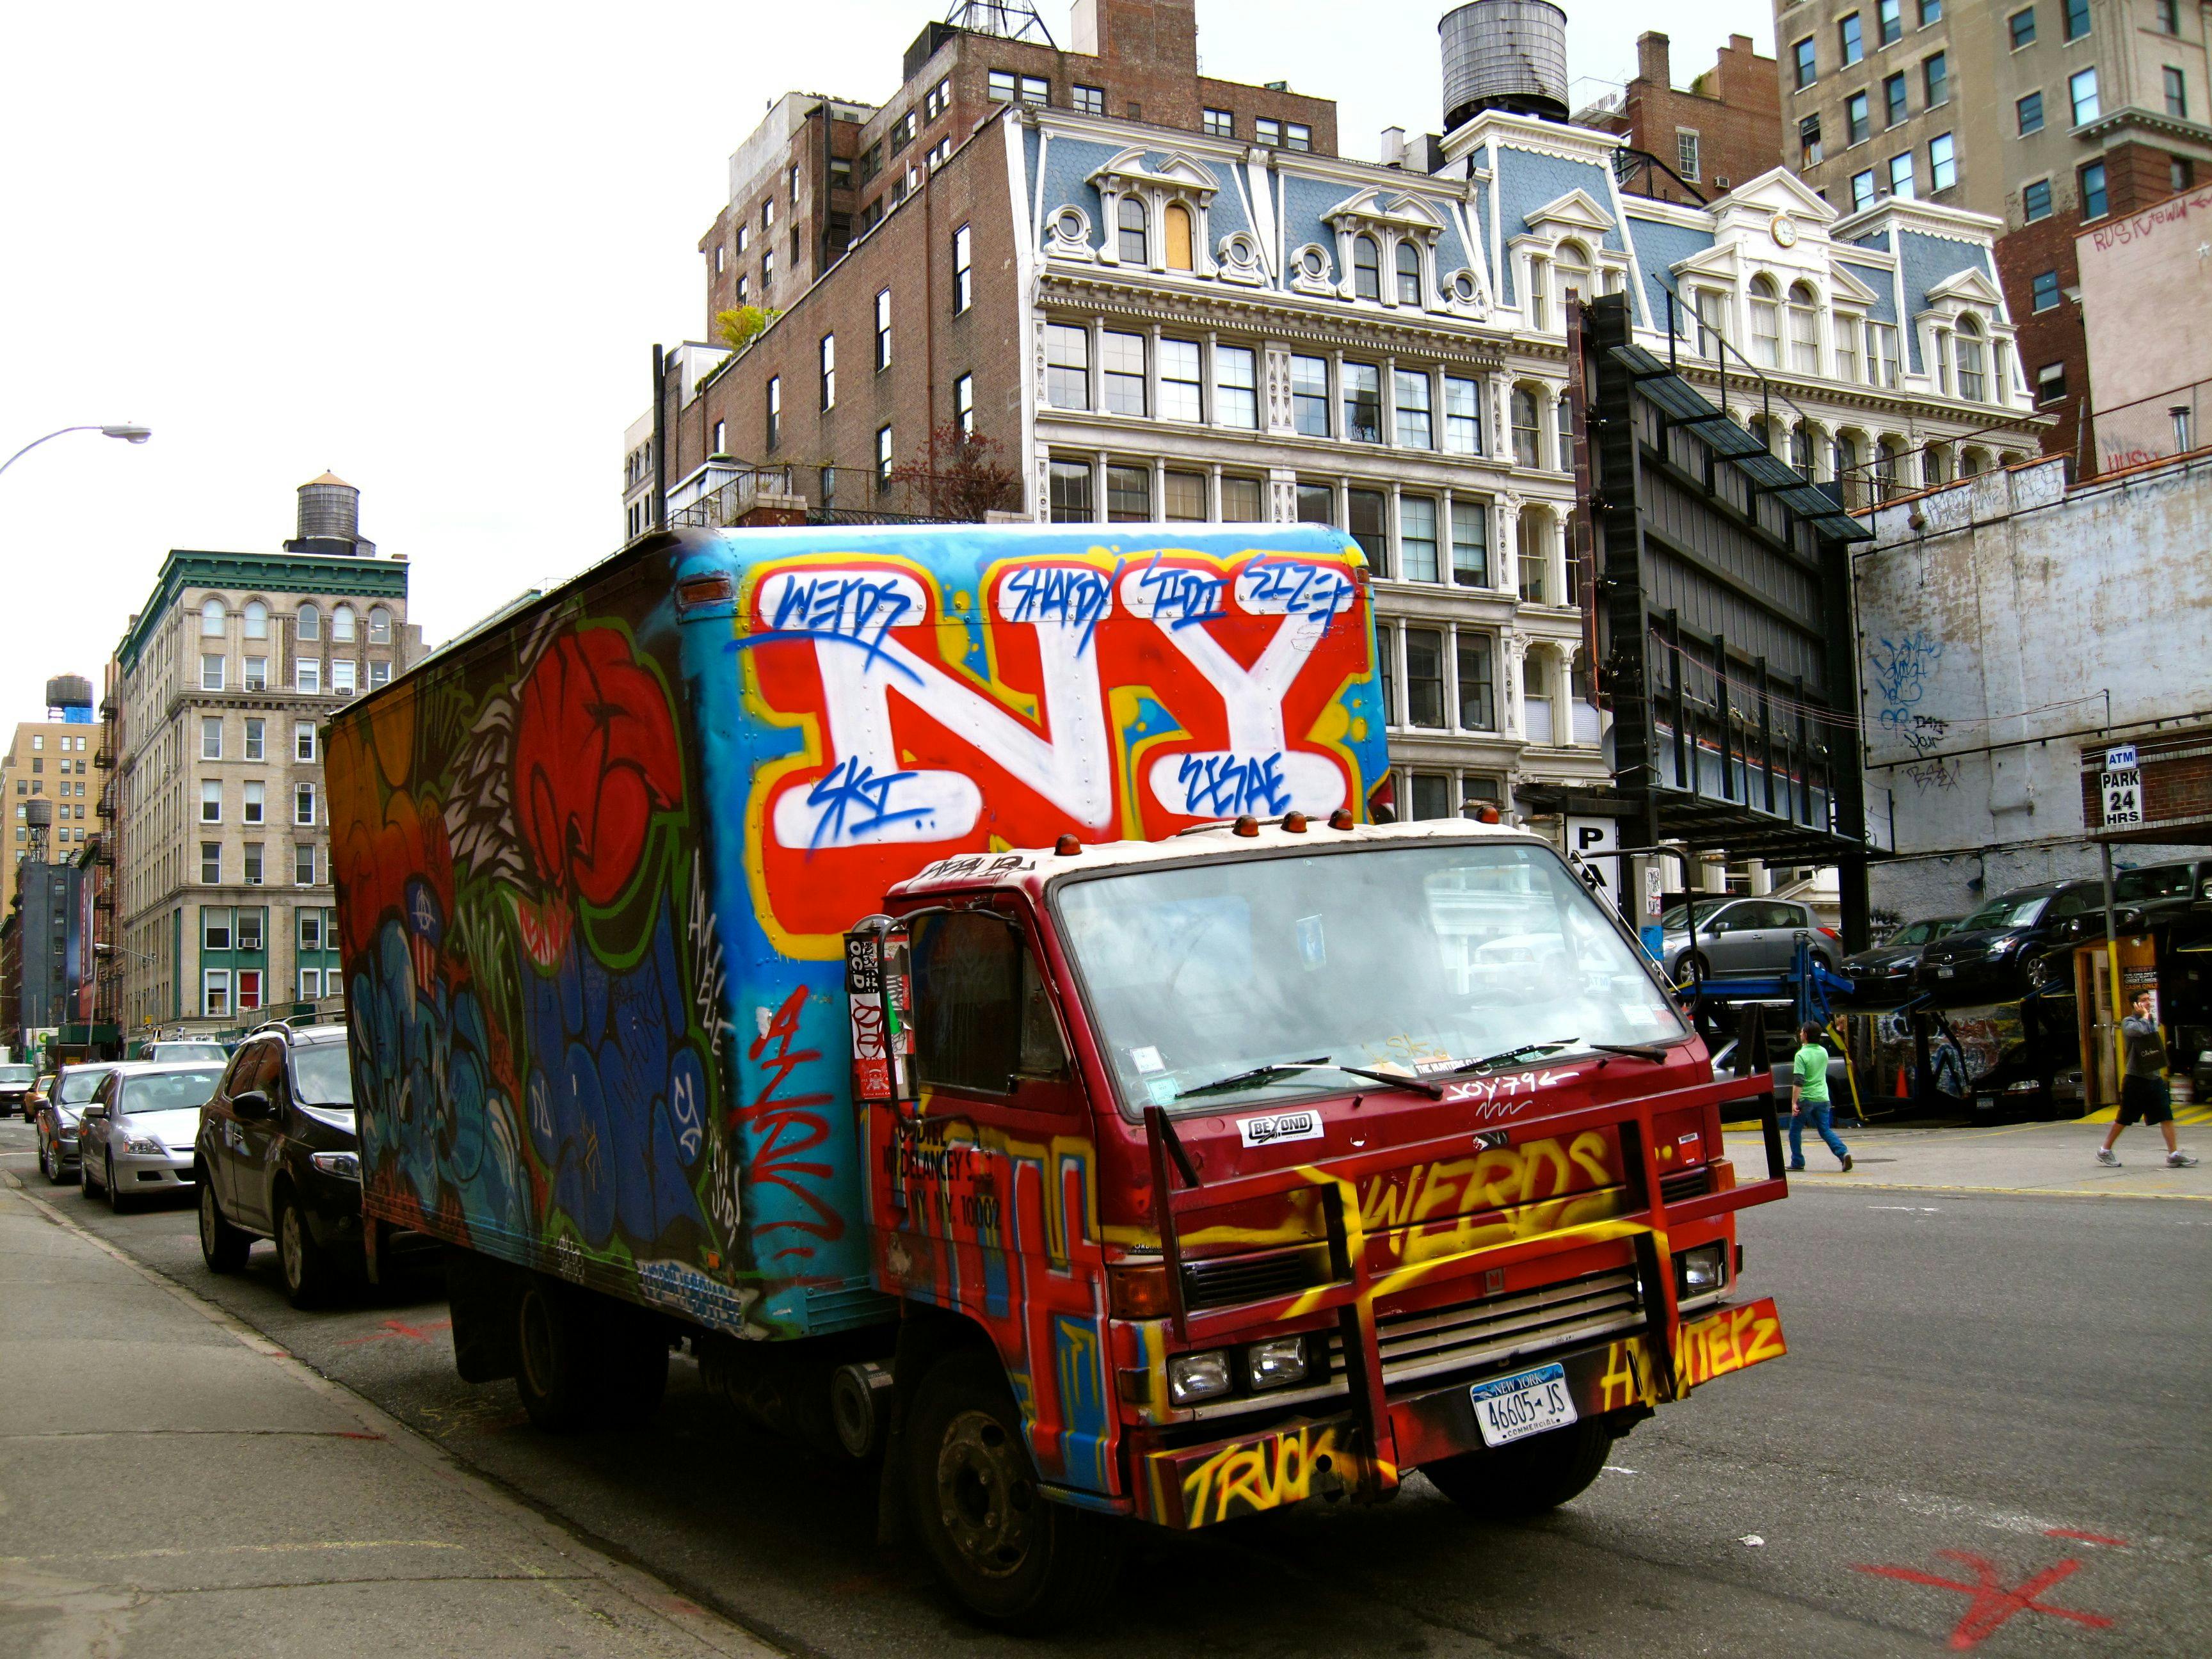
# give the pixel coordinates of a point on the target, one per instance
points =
(129, 432)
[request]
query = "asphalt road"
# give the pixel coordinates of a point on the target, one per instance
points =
(1994, 1431)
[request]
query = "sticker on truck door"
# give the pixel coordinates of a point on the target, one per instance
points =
(1278, 1125)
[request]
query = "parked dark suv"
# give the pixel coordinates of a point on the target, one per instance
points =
(278, 1159)
(2001, 950)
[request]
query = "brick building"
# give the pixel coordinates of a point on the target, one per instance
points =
(2045, 113)
(50, 759)
(1724, 130)
(1211, 316)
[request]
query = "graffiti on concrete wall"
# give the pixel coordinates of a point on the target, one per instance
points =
(1903, 667)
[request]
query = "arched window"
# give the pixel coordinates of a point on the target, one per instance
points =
(342, 625)
(1565, 430)
(311, 622)
(1528, 426)
(1533, 553)
(380, 626)
(1766, 323)
(1934, 466)
(1800, 448)
(212, 615)
(257, 620)
(1886, 453)
(1973, 462)
(1804, 330)
(1409, 274)
(1130, 216)
(1574, 263)
(1974, 381)
(1366, 269)
(1847, 467)
(1174, 224)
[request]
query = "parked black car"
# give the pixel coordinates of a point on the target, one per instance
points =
(2002, 950)
(16, 1082)
(1886, 971)
(278, 1159)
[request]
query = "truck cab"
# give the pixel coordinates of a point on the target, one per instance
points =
(1271, 1161)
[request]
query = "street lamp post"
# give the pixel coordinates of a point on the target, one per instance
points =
(130, 431)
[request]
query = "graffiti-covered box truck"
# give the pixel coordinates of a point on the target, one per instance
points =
(945, 978)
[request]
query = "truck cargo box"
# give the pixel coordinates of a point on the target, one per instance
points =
(595, 858)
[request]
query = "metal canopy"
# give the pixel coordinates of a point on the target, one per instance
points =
(1684, 406)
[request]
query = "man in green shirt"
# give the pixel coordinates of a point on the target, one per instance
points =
(1808, 1076)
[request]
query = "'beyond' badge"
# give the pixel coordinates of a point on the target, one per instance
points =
(1282, 1125)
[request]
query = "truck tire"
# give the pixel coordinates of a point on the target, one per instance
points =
(1526, 1477)
(580, 1364)
(1018, 1561)
(222, 1245)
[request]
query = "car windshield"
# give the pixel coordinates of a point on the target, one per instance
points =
(77, 1087)
(1676, 917)
(15, 1074)
(1413, 958)
(325, 1079)
(2160, 881)
(170, 1091)
(188, 1051)
(2008, 911)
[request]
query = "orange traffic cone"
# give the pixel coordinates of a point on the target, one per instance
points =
(1901, 1093)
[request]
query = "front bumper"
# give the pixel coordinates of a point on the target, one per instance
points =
(65, 1150)
(1190, 1486)
(150, 1171)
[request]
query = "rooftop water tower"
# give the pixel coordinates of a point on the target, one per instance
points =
(1504, 54)
(69, 699)
(329, 519)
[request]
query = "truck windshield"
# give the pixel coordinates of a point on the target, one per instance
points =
(1414, 957)
(15, 1074)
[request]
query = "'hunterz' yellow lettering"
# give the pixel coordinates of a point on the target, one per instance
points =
(1722, 1342)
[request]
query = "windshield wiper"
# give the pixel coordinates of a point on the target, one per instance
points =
(1500, 1059)
(1396, 1079)
(1257, 1075)
(1650, 1051)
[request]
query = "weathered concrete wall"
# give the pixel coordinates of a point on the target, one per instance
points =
(1993, 617)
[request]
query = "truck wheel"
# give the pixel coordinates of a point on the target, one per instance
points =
(222, 1245)
(1526, 1478)
(582, 1363)
(309, 1271)
(1018, 1560)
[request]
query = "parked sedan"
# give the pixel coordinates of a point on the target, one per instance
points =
(135, 1135)
(1742, 936)
(1997, 953)
(278, 1159)
(16, 1082)
(1886, 971)
(56, 1120)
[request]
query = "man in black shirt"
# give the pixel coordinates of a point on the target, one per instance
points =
(2144, 1093)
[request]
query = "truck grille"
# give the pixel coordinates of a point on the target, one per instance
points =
(1685, 1184)
(1224, 1284)
(1499, 1327)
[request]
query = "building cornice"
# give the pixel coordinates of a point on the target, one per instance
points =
(318, 574)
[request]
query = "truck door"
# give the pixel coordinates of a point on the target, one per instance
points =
(991, 1179)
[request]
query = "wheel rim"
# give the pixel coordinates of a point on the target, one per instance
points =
(537, 1363)
(287, 1242)
(985, 1495)
(207, 1222)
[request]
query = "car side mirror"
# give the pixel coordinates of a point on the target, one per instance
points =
(253, 1103)
(91, 1111)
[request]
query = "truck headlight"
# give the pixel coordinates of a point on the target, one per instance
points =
(1701, 1270)
(1195, 1376)
(145, 1145)
(346, 1166)
(1277, 1363)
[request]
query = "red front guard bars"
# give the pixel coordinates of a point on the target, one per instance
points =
(1352, 1289)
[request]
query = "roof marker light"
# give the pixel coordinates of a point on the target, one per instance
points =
(1295, 823)
(1246, 825)
(1067, 847)
(1340, 818)
(1486, 815)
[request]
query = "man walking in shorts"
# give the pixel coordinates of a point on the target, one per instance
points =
(2144, 1093)
(1808, 1077)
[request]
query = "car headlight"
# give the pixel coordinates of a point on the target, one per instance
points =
(1276, 1364)
(346, 1166)
(2025, 1086)
(2006, 946)
(145, 1145)
(1700, 1270)
(1195, 1376)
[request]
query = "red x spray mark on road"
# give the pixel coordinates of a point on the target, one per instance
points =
(1993, 1604)
(393, 1327)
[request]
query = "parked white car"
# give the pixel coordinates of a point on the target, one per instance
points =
(136, 1135)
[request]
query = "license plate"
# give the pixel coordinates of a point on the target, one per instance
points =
(1513, 1407)
(1984, 1103)
(1946, 973)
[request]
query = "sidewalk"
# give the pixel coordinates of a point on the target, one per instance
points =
(172, 1484)
(2058, 1159)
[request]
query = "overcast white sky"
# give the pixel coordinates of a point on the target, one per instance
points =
(430, 247)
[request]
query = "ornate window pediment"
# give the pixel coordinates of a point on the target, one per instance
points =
(1134, 172)
(1171, 187)
(1368, 210)
(1970, 287)
(1372, 226)
(1846, 290)
(1577, 213)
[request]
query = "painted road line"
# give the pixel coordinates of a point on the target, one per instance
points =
(1852, 1183)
